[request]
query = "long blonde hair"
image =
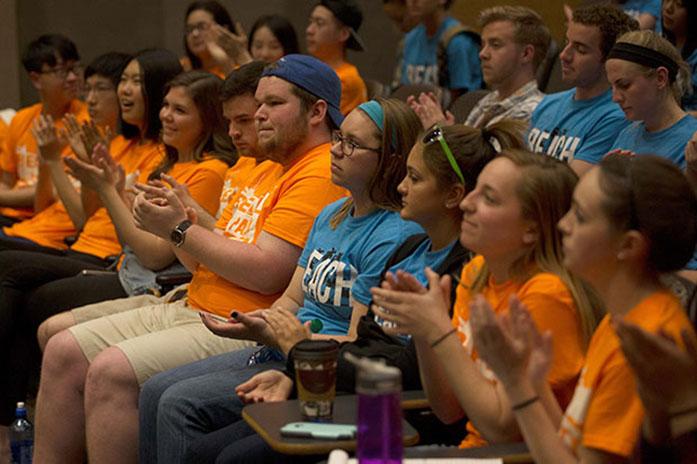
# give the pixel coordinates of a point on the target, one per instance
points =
(544, 193)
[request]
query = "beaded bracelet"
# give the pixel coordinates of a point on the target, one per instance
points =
(438, 340)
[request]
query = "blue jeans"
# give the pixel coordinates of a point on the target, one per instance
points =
(182, 405)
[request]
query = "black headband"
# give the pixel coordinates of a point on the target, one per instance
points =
(644, 56)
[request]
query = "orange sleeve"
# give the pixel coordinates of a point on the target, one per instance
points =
(553, 310)
(615, 412)
(353, 89)
(292, 217)
(206, 184)
(8, 156)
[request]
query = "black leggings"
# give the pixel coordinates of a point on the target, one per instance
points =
(33, 287)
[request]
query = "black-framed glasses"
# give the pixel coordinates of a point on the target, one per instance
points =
(435, 134)
(200, 27)
(347, 145)
(62, 71)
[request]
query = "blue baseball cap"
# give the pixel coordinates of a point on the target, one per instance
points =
(311, 75)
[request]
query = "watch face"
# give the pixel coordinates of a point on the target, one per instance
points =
(179, 232)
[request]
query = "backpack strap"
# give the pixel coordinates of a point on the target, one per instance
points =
(442, 53)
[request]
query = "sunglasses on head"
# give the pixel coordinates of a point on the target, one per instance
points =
(435, 134)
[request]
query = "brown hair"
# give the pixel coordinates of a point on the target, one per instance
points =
(204, 89)
(611, 21)
(401, 129)
(650, 194)
(529, 27)
(545, 193)
(472, 148)
(653, 41)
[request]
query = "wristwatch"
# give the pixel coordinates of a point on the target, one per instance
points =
(178, 234)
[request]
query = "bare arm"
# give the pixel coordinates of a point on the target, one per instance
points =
(245, 264)
(457, 375)
(152, 251)
(580, 167)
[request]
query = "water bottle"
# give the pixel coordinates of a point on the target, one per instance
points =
(379, 390)
(21, 437)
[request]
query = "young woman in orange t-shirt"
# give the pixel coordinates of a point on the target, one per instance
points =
(631, 219)
(510, 221)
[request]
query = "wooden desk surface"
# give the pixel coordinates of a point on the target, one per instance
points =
(268, 418)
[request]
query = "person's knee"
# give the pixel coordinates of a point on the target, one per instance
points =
(52, 326)
(109, 374)
(151, 392)
(63, 355)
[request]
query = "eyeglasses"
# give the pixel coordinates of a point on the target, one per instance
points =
(347, 146)
(62, 71)
(436, 135)
(200, 27)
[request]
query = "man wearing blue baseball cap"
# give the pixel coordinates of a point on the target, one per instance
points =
(242, 265)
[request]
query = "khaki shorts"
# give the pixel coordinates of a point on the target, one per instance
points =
(154, 338)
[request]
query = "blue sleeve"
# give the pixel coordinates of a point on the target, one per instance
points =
(653, 7)
(376, 255)
(317, 226)
(604, 134)
(464, 69)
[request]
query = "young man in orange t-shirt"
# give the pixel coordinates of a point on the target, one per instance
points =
(53, 64)
(332, 28)
(263, 229)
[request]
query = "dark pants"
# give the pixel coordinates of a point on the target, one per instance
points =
(33, 287)
(8, 242)
(238, 443)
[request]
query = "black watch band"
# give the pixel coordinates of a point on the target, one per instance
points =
(178, 234)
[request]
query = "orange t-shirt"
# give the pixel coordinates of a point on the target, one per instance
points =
(51, 226)
(281, 203)
(606, 412)
(98, 237)
(353, 89)
(20, 154)
(235, 177)
(186, 65)
(552, 309)
(4, 129)
(204, 180)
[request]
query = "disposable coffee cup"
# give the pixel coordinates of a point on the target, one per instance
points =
(315, 374)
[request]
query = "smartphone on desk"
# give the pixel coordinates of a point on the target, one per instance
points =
(319, 430)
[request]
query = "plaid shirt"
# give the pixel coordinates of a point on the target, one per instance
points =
(519, 105)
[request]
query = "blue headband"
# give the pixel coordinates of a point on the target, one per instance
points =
(375, 113)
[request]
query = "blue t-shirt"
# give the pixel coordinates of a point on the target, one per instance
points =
(635, 8)
(569, 129)
(689, 102)
(415, 264)
(342, 264)
(420, 59)
(668, 143)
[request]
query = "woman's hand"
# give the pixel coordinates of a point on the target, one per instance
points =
(242, 326)
(510, 344)
(234, 45)
(265, 387)
(159, 215)
(287, 329)
(48, 141)
(412, 309)
(428, 109)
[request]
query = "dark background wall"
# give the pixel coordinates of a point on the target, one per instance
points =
(98, 26)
